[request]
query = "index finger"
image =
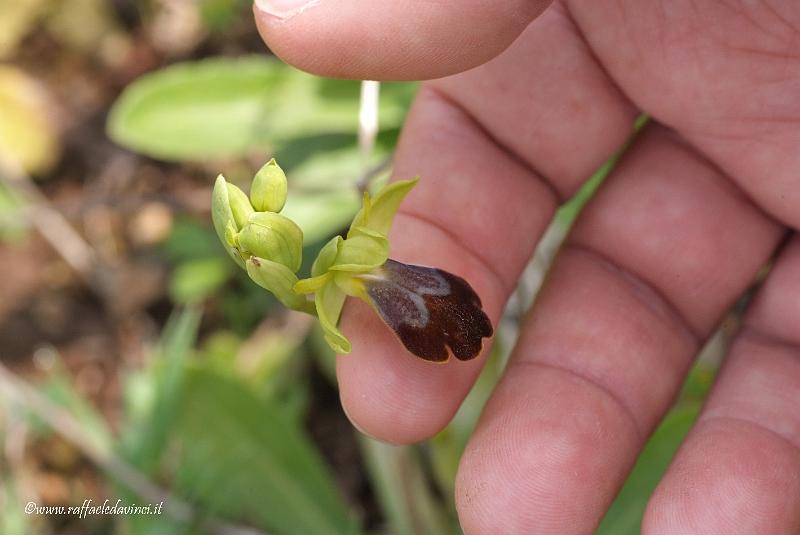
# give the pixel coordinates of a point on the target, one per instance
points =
(480, 142)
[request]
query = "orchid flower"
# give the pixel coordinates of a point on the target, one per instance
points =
(434, 313)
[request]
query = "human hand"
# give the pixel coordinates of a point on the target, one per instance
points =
(676, 234)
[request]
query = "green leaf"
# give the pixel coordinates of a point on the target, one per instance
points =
(13, 521)
(60, 389)
(191, 239)
(155, 402)
(698, 384)
(219, 15)
(378, 213)
(398, 475)
(329, 301)
(219, 348)
(162, 524)
(195, 280)
(224, 107)
(296, 152)
(14, 224)
(447, 447)
(205, 109)
(321, 214)
(244, 460)
(625, 515)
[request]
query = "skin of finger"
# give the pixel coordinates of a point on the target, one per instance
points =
(556, 110)
(724, 74)
(396, 39)
(739, 471)
(610, 337)
(776, 310)
(729, 478)
(462, 217)
(684, 245)
(464, 166)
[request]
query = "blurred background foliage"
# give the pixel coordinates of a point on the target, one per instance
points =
(137, 361)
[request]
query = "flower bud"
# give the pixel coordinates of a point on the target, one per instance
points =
(273, 237)
(268, 191)
(222, 213)
(277, 278)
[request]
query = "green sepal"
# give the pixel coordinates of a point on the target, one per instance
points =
(377, 213)
(351, 284)
(222, 216)
(329, 301)
(273, 236)
(326, 256)
(311, 285)
(362, 215)
(269, 188)
(278, 279)
(363, 250)
(240, 205)
(231, 235)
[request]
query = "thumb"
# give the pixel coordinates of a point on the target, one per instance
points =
(391, 39)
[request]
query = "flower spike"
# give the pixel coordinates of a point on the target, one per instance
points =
(433, 313)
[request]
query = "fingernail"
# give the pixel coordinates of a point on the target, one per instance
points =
(284, 9)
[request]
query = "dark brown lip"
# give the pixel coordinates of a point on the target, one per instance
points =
(434, 313)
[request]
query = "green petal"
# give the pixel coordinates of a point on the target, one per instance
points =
(240, 205)
(377, 214)
(362, 216)
(329, 301)
(326, 256)
(362, 251)
(351, 284)
(311, 285)
(278, 279)
(222, 216)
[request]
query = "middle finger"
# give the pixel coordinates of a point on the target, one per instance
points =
(664, 248)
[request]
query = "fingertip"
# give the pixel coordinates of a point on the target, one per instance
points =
(290, 35)
(547, 456)
(403, 40)
(387, 393)
(729, 477)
